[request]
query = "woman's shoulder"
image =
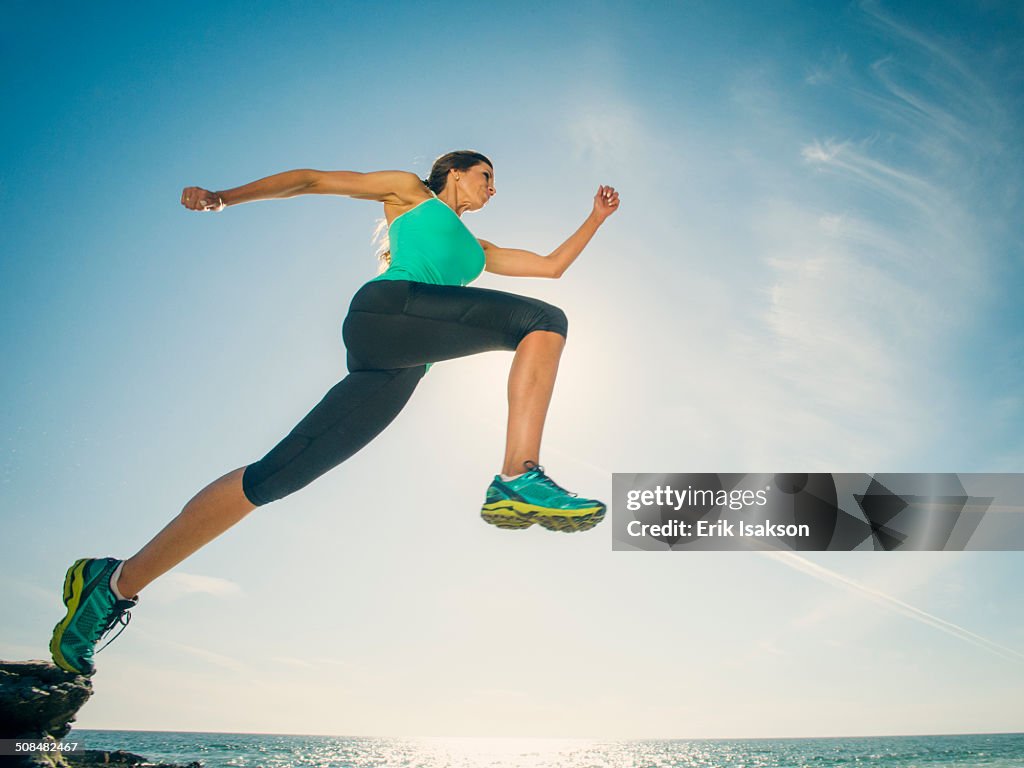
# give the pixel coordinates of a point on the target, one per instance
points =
(409, 185)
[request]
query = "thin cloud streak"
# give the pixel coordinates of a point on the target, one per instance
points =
(177, 584)
(959, 105)
(212, 657)
(879, 177)
(798, 563)
(889, 24)
(920, 108)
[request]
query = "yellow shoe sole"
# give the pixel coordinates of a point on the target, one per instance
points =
(73, 583)
(517, 515)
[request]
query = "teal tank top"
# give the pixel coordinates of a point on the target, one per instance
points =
(430, 244)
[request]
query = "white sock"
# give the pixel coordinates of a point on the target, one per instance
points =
(113, 581)
(506, 478)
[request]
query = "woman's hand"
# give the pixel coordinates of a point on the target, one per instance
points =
(199, 199)
(606, 202)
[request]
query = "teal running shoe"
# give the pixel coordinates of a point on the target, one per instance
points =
(536, 498)
(93, 611)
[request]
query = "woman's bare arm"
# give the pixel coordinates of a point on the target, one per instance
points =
(390, 187)
(514, 262)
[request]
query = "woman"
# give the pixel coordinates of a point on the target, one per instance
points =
(415, 313)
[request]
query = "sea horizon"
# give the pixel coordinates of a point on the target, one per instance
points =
(558, 738)
(263, 750)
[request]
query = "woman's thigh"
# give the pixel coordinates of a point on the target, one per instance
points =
(399, 324)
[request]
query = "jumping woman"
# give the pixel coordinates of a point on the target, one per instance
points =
(417, 312)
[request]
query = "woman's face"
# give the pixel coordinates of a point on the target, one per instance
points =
(475, 185)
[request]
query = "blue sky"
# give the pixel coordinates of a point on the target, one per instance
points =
(815, 267)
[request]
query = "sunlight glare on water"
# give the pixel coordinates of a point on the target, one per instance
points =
(466, 752)
(280, 751)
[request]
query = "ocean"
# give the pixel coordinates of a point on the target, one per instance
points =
(221, 750)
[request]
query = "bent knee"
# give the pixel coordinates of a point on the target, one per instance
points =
(549, 318)
(559, 321)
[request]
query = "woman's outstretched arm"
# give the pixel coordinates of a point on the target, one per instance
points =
(513, 262)
(391, 187)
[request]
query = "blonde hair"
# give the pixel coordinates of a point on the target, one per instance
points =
(383, 242)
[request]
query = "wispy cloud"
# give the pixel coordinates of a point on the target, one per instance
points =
(293, 662)
(831, 67)
(934, 48)
(796, 562)
(211, 657)
(29, 590)
(176, 585)
(898, 184)
(311, 663)
(947, 110)
(609, 130)
(604, 132)
(881, 263)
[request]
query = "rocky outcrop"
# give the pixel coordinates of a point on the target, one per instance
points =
(38, 702)
(38, 699)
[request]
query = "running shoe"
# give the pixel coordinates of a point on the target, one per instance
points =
(534, 497)
(93, 611)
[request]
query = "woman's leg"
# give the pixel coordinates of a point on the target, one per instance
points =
(212, 511)
(352, 413)
(531, 381)
(99, 592)
(428, 323)
(524, 494)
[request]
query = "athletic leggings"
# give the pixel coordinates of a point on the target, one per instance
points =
(392, 331)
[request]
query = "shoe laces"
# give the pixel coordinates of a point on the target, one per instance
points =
(545, 480)
(119, 617)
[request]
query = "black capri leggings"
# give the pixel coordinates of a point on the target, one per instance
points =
(393, 330)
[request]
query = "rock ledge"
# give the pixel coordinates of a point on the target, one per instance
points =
(38, 702)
